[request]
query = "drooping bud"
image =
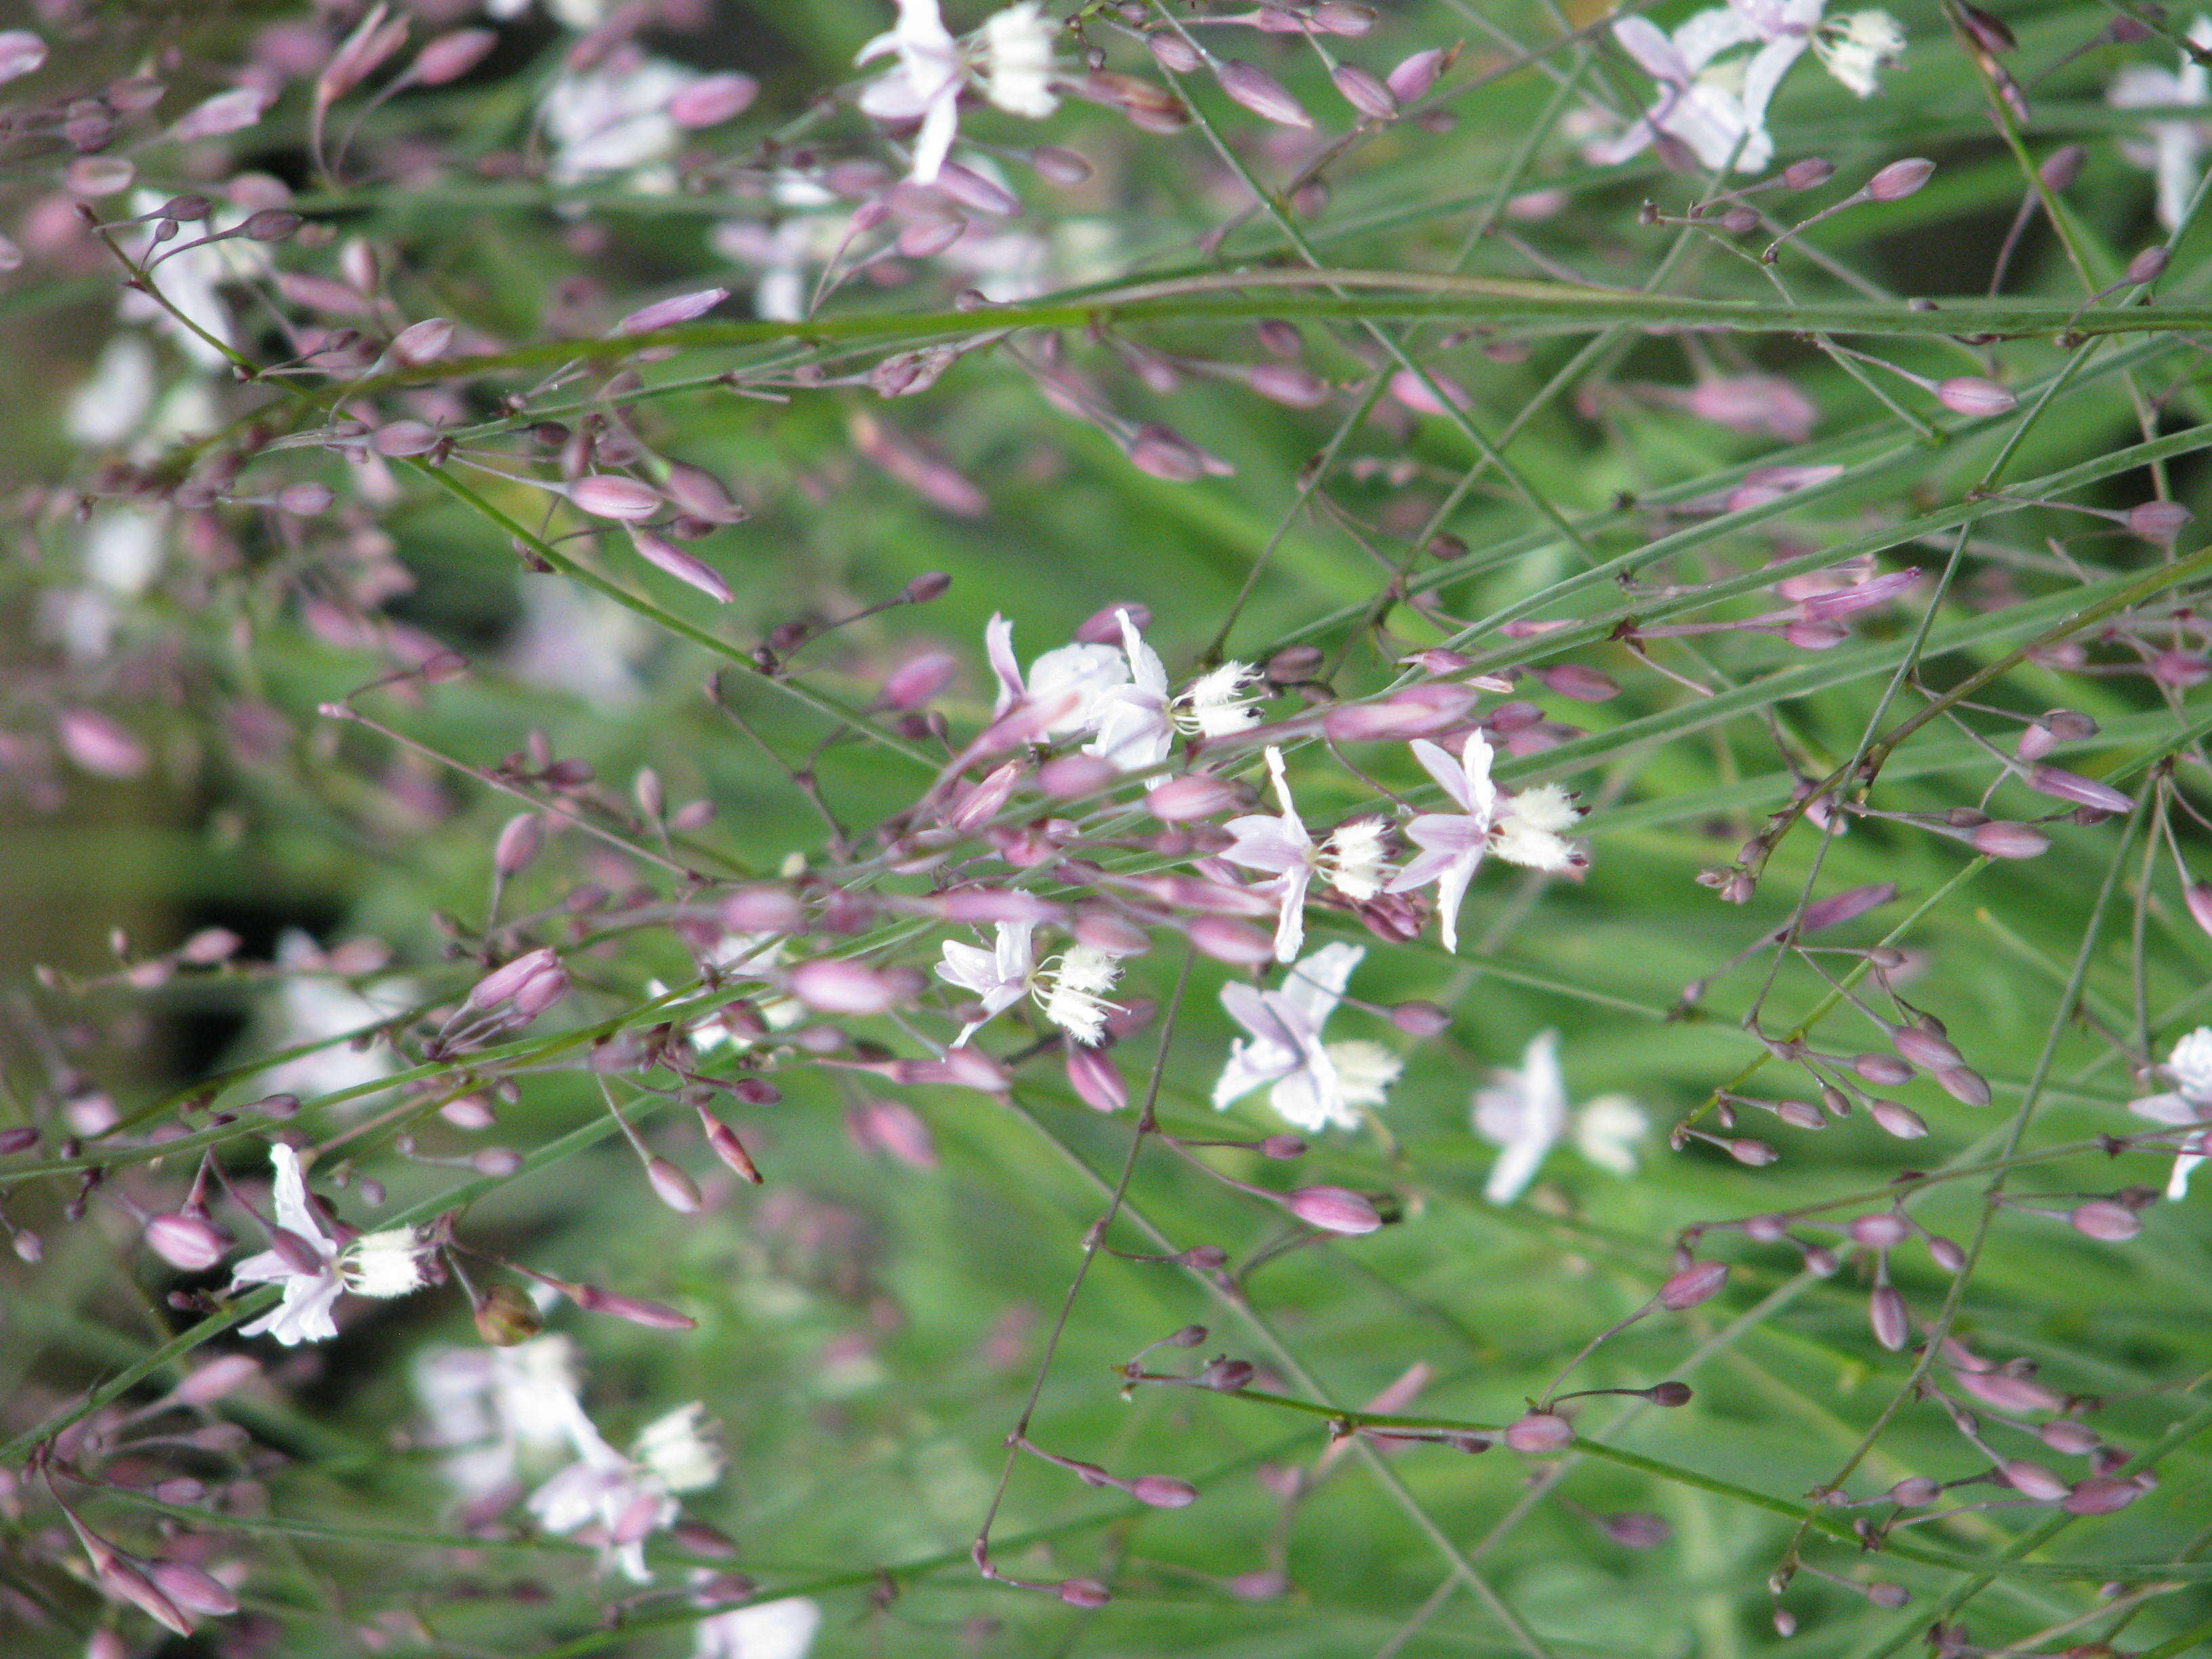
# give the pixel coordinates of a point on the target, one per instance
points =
(1333, 1210)
(1964, 1084)
(1095, 1078)
(2062, 167)
(518, 845)
(1899, 1120)
(1887, 1315)
(1414, 76)
(1226, 939)
(673, 1187)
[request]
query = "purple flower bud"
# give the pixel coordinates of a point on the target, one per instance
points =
(1880, 1231)
(977, 804)
(2033, 1481)
(1193, 796)
(672, 1187)
(20, 1139)
(518, 844)
(1985, 29)
(2099, 1495)
(2181, 669)
(496, 1163)
(2062, 167)
(731, 1151)
(2035, 741)
(1846, 906)
(271, 225)
(190, 1588)
(832, 985)
(2066, 1435)
(120, 1580)
(1885, 1071)
(1083, 1593)
(303, 500)
(1701, 1281)
(917, 680)
(1886, 1314)
(1289, 384)
(1342, 18)
(186, 1241)
(1420, 1019)
(1174, 53)
(1636, 1532)
(1332, 1209)
(1414, 76)
(2083, 792)
(713, 100)
(1582, 684)
(1970, 394)
(1670, 1395)
(2003, 839)
(1539, 1432)
(761, 910)
(1162, 454)
(1226, 1375)
(1103, 625)
(2107, 1222)
(2198, 897)
(423, 342)
(1964, 1084)
(1261, 93)
(501, 983)
(1898, 180)
(1206, 1258)
(401, 438)
(1756, 1154)
(2158, 522)
(98, 745)
(2148, 265)
(1163, 1491)
(667, 314)
(1924, 1048)
(1364, 93)
(1915, 1492)
(1226, 939)
(1095, 1078)
(686, 568)
(1057, 165)
(22, 53)
(1945, 1254)
(610, 496)
(450, 55)
(1890, 1596)
(701, 494)
(652, 1315)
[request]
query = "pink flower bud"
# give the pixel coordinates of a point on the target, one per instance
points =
(1964, 1084)
(686, 568)
(1899, 1120)
(1915, 1492)
(2101, 1495)
(1970, 394)
(1898, 180)
(2158, 522)
(1083, 1593)
(400, 438)
(2107, 1222)
(667, 314)
(610, 496)
(452, 55)
(121, 1582)
(1226, 939)
(1539, 1432)
(1985, 29)
(2001, 839)
(2073, 1439)
(1057, 165)
(22, 53)
(2083, 792)
(2033, 1481)
(217, 1379)
(1582, 684)
(1945, 1254)
(1886, 1314)
(2008, 1392)
(713, 100)
(2035, 741)
(1364, 93)
(1163, 1491)
(1414, 76)
(1342, 18)
(917, 680)
(1755, 1153)
(652, 1315)
(1420, 1019)
(227, 112)
(191, 1589)
(98, 745)
(1102, 929)
(1880, 1231)
(1426, 393)
(701, 495)
(496, 1163)
(1174, 53)
(1333, 1210)
(972, 190)
(832, 985)
(501, 983)
(1165, 454)
(1886, 1071)
(1288, 384)
(1701, 1281)
(1846, 906)
(1193, 796)
(2148, 266)
(423, 342)
(1095, 1078)
(186, 1241)
(1924, 1048)
(2181, 669)
(672, 1187)
(761, 910)
(2198, 897)
(1261, 93)
(518, 844)
(2062, 167)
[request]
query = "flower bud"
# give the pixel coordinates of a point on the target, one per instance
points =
(1964, 1084)
(761, 910)
(186, 1241)
(1915, 1492)
(1636, 1532)
(2158, 522)
(2062, 167)
(831, 985)
(1970, 394)
(1420, 1019)
(1880, 1231)
(541, 991)
(610, 496)
(1886, 1315)
(1226, 939)
(1365, 93)
(193, 1589)
(1261, 93)
(1289, 384)
(2001, 839)
(2101, 1495)
(396, 439)
(2148, 266)
(1755, 1153)
(1924, 1048)
(1282, 1148)
(1083, 1593)
(1899, 179)
(2106, 1222)
(518, 845)
(1333, 1210)
(22, 53)
(2066, 1435)
(2033, 1481)
(217, 1379)
(2083, 792)
(271, 225)
(672, 1187)
(303, 500)
(1057, 165)
(1173, 54)
(1945, 1254)
(1095, 1078)
(1670, 1395)
(712, 99)
(1414, 76)
(652, 1315)
(501, 983)
(1539, 1432)
(505, 1317)
(1193, 796)
(452, 55)
(1226, 1375)
(423, 342)
(1162, 1491)
(1582, 684)
(1885, 1071)
(1701, 1281)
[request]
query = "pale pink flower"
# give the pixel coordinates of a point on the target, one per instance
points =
(379, 1264)
(1315, 1084)
(2190, 1066)
(1000, 977)
(1523, 830)
(1525, 1112)
(1068, 691)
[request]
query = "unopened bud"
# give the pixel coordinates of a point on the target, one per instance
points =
(1971, 395)
(1083, 1593)
(1985, 29)
(1964, 1084)
(1924, 1048)
(1163, 1491)
(2033, 1481)
(2106, 1222)
(2101, 1495)
(518, 845)
(193, 1589)
(672, 1187)
(1808, 174)
(1414, 76)
(1887, 1315)
(1701, 1281)
(1333, 1210)
(1193, 796)
(2066, 1435)
(1226, 1375)
(1282, 1147)
(1669, 1394)
(610, 496)
(2148, 266)
(652, 1315)
(1899, 179)
(1882, 1231)
(2062, 167)
(271, 225)
(1365, 93)
(1755, 1153)
(2083, 792)
(1539, 1432)
(1261, 93)
(1226, 939)
(186, 1241)
(217, 1379)
(2001, 839)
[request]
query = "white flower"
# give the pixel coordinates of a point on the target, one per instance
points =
(2190, 1066)
(1521, 829)
(385, 1264)
(1715, 106)
(924, 84)
(1072, 990)
(626, 1499)
(491, 1409)
(1855, 48)
(1069, 689)
(304, 1314)
(782, 1629)
(1139, 720)
(1220, 702)
(1018, 68)
(579, 642)
(1315, 1084)
(1525, 1112)
(118, 394)
(681, 1449)
(2175, 148)
(1000, 977)
(615, 119)
(1356, 858)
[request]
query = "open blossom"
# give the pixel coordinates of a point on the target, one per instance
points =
(1525, 1112)
(1139, 720)
(782, 1629)
(626, 1499)
(1315, 1084)
(1072, 990)
(615, 118)
(1012, 65)
(493, 1410)
(2173, 150)
(2190, 1066)
(381, 1264)
(1069, 689)
(1350, 859)
(1000, 977)
(1524, 828)
(1713, 98)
